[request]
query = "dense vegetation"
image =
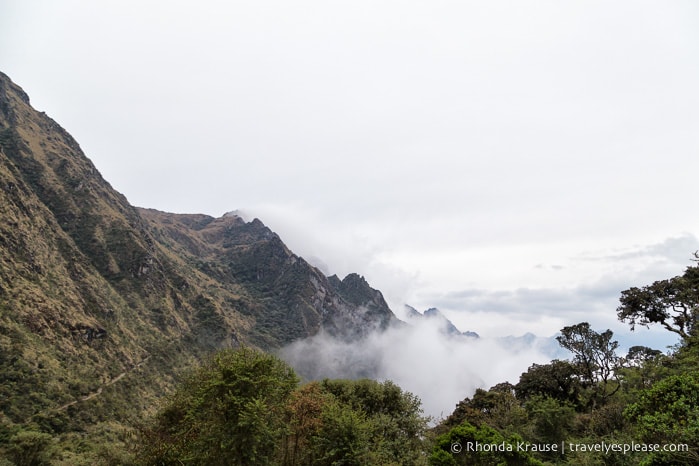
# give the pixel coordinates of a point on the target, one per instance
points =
(244, 407)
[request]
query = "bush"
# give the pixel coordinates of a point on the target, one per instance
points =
(228, 412)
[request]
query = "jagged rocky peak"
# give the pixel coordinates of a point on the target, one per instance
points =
(412, 313)
(360, 310)
(357, 291)
(435, 315)
(335, 281)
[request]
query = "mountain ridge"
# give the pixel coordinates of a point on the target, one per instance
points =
(95, 290)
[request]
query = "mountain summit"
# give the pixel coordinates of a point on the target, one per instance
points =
(434, 315)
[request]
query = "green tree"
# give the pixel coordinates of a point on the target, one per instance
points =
(30, 448)
(467, 444)
(396, 426)
(244, 408)
(558, 379)
(672, 303)
(228, 412)
(343, 438)
(498, 408)
(551, 419)
(643, 366)
(668, 414)
(595, 355)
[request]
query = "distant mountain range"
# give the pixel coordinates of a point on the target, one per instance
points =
(547, 345)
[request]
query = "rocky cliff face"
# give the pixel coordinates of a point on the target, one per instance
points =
(94, 290)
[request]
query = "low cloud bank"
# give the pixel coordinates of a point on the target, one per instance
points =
(440, 369)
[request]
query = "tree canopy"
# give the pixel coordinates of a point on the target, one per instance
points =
(245, 407)
(594, 354)
(672, 303)
(228, 412)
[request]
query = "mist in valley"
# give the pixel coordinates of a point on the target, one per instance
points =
(440, 368)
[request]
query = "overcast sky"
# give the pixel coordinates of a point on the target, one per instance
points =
(516, 164)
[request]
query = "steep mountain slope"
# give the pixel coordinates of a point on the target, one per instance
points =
(100, 297)
(71, 251)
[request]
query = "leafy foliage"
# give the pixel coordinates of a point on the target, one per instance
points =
(467, 444)
(230, 411)
(392, 419)
(243, 407)
(305, 410)
(672, 303)
(559, 380)
(593, 352)
(668, 413)
(497, 408)
(28, 448)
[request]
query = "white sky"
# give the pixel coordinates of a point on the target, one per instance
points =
(516, 164)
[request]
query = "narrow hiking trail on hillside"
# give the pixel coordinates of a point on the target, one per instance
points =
(99, 390)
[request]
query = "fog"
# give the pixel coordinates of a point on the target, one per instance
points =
(440, 369)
